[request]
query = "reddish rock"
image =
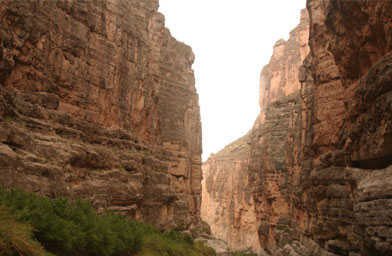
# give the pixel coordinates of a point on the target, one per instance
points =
(245, 186)
(280, 77)
(98, 101)
(227, 202)
(320, 158)
(337, 145)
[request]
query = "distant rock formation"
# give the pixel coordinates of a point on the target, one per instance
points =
(230, 182)
(320, 156)
(97, 101)
(227, 202)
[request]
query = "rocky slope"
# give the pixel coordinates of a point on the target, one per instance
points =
(97, 101)
(320, 158)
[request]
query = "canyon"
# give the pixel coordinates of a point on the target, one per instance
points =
(98, 102)
(317, 163)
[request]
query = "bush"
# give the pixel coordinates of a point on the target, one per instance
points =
(16, 238)
(65, 227)
(204, 249)
(73, 227)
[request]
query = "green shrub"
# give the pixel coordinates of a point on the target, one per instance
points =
(204, 249)
(65, 227)
(16, 238)
(283, 228)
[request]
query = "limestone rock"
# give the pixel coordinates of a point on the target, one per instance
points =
(280, 77)
(227, 203)
(336, 138)
(319, 161)
(97, 100)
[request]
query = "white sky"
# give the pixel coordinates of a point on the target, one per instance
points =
(232, 41)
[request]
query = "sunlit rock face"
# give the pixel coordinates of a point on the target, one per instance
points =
(98, 102)
(227, 203)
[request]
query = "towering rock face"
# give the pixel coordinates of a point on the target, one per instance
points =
(280, 77)
(269, 167)
(320, 179)
(98, 101)
(242, 205)
(320, 156)
(343, 201)
(227, 202)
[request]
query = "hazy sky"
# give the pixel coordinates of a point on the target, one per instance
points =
(232, 41)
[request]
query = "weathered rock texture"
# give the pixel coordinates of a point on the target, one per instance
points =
(270, 163)
(97, 101)
(341, 150)
(280, 77)
(226, 174)
(227, 203)
(328, 191)
(320, 157)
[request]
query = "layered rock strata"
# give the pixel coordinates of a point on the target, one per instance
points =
(246, 186)
(328, 192)
(269, 167)
(270, 164)
(341, 201)
(320, 151)
(227, 203)
(98, 102)
(331, 187)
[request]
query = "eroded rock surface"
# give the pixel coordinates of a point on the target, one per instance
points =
(237, 193)
(320, 151)
(227, 203)
(97, 101)
(270, 164)
(346, 129)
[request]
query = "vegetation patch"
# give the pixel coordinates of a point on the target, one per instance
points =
(35, 225)
(283, 228)
(16, 238)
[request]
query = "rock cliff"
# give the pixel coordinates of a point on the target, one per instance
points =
(230, 201)
(270, 166)
(341, 198)
(227, 203)
(97, 100)
(319, 163)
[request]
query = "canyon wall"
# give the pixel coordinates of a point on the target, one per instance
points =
(271, 165)
(320, 155)
(341, 198)
(230, 203)
(227, 203)
(97, 101)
